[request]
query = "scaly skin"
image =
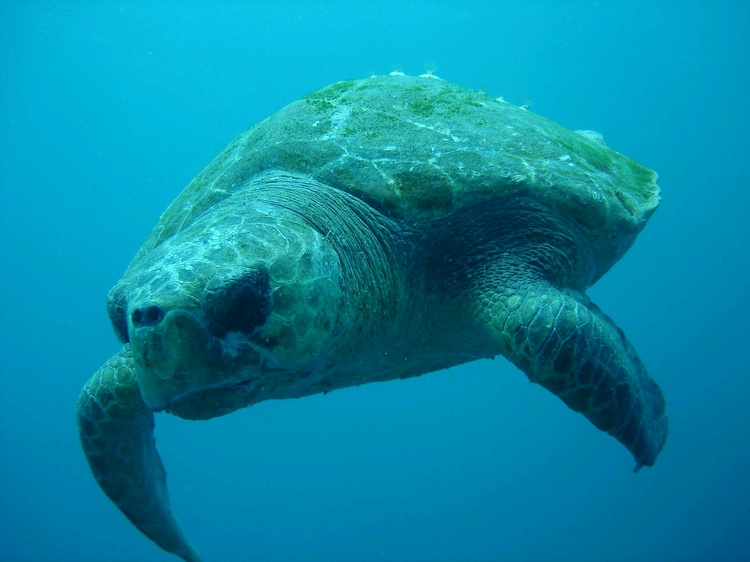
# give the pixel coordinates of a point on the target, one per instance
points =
(522, 270)
(562, 341)
(117, 433)
(511, 285)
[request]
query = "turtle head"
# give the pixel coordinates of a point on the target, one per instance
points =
(244, 297)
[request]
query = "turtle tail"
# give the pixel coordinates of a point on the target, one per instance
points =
(117, 434)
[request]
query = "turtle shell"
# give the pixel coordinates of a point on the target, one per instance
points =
(419, 148)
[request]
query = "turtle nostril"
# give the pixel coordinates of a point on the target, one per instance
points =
(147, 315)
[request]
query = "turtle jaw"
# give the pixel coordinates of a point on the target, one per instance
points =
(180, 356)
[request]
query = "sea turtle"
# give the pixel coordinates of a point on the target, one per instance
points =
(376, 229)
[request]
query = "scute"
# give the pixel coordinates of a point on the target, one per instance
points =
(419, 149)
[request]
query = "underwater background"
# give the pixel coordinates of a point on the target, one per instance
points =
(108, 109)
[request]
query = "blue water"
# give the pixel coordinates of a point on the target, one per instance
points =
(108, 109)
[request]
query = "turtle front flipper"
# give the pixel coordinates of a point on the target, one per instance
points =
(562, 341)
(117, 433)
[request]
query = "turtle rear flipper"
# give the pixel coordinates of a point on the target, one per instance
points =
(561, 340)
(117, 433)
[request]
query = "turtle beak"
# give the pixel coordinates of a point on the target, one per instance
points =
(174, 353)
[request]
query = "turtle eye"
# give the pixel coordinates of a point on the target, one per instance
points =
(238, 304)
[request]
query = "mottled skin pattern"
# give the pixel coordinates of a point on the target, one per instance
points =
(117, 434)
(374, 230)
